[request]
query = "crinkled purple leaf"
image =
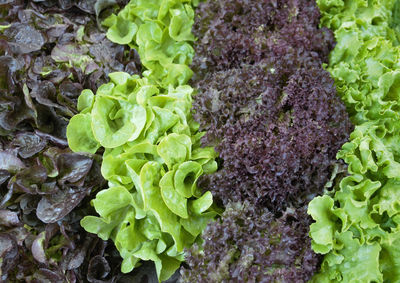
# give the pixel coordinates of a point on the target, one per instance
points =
(54, 207)
(8, 218)
(61, 143)
(10, 162)
(73, 167)
(13, 111)
(46, 93)
(24, 38)
(51, 121)
(67, 53)
(8, 254)
(248, 245)
(104, 52)
(28, 144)
(29, 180)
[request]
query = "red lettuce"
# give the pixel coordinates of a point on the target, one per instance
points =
(271, 110)
(272, 113)
(48, 54)
(248, 245)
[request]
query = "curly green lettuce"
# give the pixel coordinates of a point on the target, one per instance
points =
(152, 209)
(160, 30)
(357, 224)
(152, 160)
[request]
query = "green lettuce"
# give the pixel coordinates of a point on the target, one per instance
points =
(152, 209)
(152, 157)
(160, 30)
(357, 224)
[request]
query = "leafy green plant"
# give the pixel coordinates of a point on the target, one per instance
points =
(357, 225)
(160, 30)
(152, 209)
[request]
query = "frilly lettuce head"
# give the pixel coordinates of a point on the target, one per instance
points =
(160, 30)
(358, 224)
(152, 209)
(152, 157)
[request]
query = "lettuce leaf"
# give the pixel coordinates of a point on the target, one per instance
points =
(152, 209)
(357, 224)
(161, 31)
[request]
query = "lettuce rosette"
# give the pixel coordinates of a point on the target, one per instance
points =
(357, 223)
(152, 209)
(160, 30)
